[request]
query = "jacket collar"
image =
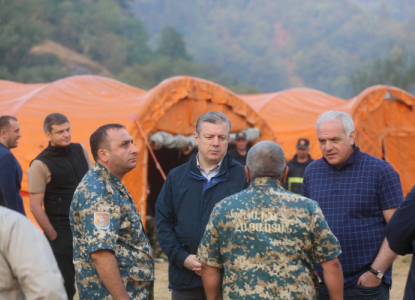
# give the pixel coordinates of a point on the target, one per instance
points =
(4, 147)
(58, 150)
(266, 182)
(226, 163)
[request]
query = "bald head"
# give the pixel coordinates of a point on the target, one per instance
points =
(266, 159)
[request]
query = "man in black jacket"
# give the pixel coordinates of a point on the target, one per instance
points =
(297, 166)
(400, 233)
(53, 177)
(187, 198)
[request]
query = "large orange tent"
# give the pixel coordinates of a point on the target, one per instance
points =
(91, 101)
(384, 119)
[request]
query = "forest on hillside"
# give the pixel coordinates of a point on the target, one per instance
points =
(339, 47)
(45, 40)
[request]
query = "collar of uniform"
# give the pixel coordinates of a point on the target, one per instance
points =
(213, 169)
(266, 181)
(108, 176)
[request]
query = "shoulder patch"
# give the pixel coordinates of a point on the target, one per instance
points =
(102, 220)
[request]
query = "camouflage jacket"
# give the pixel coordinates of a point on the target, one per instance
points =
(104, 216)
(267, 240)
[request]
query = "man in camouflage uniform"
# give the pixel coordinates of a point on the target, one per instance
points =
(112, 255)
(267, 239)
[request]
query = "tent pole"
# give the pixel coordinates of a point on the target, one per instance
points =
(149, 149)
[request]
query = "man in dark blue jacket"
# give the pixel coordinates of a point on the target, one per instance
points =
(187, 198)
(400, 233)
(10, 170)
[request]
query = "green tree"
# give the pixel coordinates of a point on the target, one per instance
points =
(172, 44)
(396, 69)
(19, 31)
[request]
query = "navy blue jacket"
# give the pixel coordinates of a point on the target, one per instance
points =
(183, 209)
(10, 179)
(401, 237)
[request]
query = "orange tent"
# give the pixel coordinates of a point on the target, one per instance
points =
(384, 120)
(91, 101)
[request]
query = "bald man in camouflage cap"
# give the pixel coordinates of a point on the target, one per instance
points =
(267, 239)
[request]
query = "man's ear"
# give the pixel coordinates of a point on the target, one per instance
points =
(48, 135)
(248, 174)
(284, 175)
(196, 136)
(352, 137)
(103, 155)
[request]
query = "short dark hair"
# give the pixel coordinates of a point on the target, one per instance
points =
(54, 119)
(213, 117)
(99, 139)
(5, 122)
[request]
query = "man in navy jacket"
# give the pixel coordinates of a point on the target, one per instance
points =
(10, 170)
(400, 233)
(187, 198)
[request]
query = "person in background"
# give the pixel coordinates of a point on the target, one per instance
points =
(28, 269)
(151, 230)
(400, 233)
(112, 254)
(240, 151)
(297, 166)
(358, 194)
(10, 170)
(53, 177)
(187, 198)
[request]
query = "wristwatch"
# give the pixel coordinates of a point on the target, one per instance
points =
(377, 273)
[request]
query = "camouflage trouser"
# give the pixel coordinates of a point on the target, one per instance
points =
(151, 230)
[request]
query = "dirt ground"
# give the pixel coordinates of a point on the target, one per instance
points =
(400, 274)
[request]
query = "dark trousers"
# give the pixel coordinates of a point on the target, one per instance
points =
(63, 250)
(191, 294)
(357, 292)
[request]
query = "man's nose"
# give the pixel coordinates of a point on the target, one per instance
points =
(328, 146)
(215, 141)
(134, 149)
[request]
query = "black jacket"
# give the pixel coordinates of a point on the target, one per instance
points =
(401, 237)
(183, 209)
(295, 174)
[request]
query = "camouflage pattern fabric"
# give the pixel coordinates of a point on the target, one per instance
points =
(104, 216)
(151, 230)
(267, 240)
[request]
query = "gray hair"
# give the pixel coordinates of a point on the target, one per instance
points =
(266, 159)
(337, 116)
(54, 119)
(213, 117)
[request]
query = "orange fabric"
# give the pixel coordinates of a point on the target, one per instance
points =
(292, 114)
(91, 101)
(385, 128)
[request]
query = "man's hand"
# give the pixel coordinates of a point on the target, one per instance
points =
(193, 264)
(368, 279)
(52, 235)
